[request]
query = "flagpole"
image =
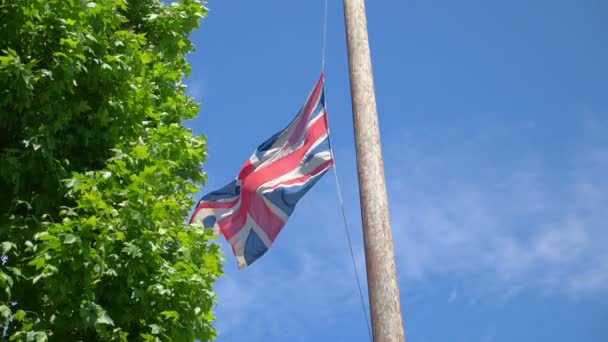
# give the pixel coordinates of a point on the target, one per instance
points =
(383, 286)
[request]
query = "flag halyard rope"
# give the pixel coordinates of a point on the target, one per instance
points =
(323, 53)
(338, 188)
(350, 246)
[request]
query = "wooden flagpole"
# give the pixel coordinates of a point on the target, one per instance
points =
(387, 323)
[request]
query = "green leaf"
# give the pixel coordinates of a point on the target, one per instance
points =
(4, 311)
(27, 326)
(70, 239)
(7, 279)
(19, 315)
(91, 220)
(44, 236)
(7, 246)
(6, 60)
(147, 337)
(121, 4)
(103, 318)
(41, 336)
(38, 262)
(171, 314)
(36, 278)
(70, 183)
(140, 152)
(131, 250)
(155, 329)
(69, 42)
(146, 58)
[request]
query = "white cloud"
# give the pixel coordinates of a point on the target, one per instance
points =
(527, 227)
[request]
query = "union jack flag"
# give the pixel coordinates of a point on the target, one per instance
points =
(251, 210)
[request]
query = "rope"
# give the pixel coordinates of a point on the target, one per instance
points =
(331, 151)
(324, 38)
(350, 246)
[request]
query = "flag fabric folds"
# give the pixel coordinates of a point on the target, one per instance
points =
(251, 210)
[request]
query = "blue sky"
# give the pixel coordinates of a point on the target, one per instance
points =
(493, 117)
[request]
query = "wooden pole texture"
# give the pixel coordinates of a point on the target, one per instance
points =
(387, 323)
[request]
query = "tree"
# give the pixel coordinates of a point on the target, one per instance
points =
(97, 174)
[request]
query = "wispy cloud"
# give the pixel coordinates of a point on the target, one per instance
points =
(538, 224)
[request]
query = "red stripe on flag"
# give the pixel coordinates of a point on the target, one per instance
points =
(247, 169)
(288, 162)
(232, 224)
(310, 105)
(265, 217)
(315, 172)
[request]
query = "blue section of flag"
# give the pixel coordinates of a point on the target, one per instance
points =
(229, 191)
(254, 247)
(268, 143)
(286, 198)
(322, 147)
(209, 221)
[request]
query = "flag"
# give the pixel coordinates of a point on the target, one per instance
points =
(251, 210)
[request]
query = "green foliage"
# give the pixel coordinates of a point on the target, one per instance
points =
(97, 173)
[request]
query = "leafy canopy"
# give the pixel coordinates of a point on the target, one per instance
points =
(97, 173)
